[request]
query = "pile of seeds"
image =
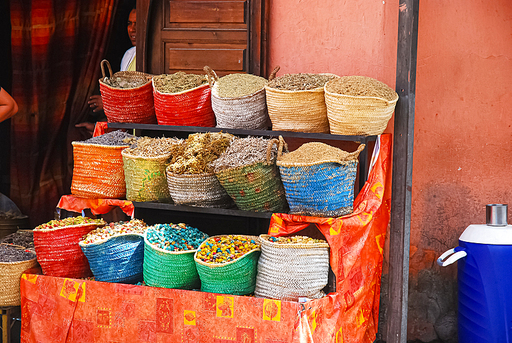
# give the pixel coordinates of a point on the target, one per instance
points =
(112, 138)
(134, 226)
(175, 237)
(238, 85)
(178, 82)
(151, 147)
(196, 153)
(69, 222)
(9, 253)
(243, 152)
(24, 238)
(300, 82)
(313, 152)
(11, 214)
(295, 240)
(361, 86)
(122, 82)
(226, 248)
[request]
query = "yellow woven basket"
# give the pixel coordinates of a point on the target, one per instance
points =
(10, 275)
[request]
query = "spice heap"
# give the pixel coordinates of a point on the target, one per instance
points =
(112, 138)
(178, 82)
(70, 221)
(24, 238)
(175, 237)
(238, 85)
(10, 253)
(11, 214)
(226, 248)
(134, 226)
(242, 152)
(194, 155)
(300, 82)
(361, 86)
(295, 240)
(122, 82)
(151, 147)
(314, 152)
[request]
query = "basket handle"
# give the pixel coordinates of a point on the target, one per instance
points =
(102, 65)
(356, 153)
(211, 75)
(282, 144)
(270, 145)
(274, 73)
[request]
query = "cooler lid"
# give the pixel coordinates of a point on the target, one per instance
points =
(486, 234)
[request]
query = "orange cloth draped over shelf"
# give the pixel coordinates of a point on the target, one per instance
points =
(101, 128)
(97, 206)
(69, 310)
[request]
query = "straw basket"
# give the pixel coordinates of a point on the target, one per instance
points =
(358, 115)
(255, 187)
(237, 277)
(10, 275)
(302, 110)
(145, 177)
(324, 188)
(246, 112)
(192, 107)
(58, 251)
(129, 105)
(201, 190)
(98, 171)
(290, 271)
(116, 259)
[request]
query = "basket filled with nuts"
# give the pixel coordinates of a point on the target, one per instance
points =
(228, 264)
(183, 99)
(116, 251)
(238, 100)
(14, 260)
(127, 96)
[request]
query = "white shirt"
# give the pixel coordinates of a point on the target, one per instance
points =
(127, 58)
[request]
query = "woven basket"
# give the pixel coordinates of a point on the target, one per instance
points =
(255, 187)
(302, 111)
(145, 177)
(116, 259)
(10, 275)
(324, 188)
(200, 190)
(237, 277)
(98, 171)
(169, 269)
(358, 115)
(192, 107)
(290, 271)
(246, 112)
(130, 105)
(58, 251)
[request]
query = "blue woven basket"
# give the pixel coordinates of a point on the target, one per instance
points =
(118, 259)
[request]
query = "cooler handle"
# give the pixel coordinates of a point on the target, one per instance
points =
(457, 252)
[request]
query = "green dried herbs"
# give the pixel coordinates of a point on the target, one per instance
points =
(178, 82)
(238, 85)
(298, 82)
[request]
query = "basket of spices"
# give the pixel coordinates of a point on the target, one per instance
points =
(169, 256)
(292, 267)
(247, 171)
(127, 96)
(238, 100)
(190, 177)
(14, 260)
(359, 105)
(319, 179)
(228, 264)
(116, 251)
(98, 166)
(296, 102)
(183, 99)
(57, 249)
(144, 166)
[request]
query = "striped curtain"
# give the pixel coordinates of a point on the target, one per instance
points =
(57, 46)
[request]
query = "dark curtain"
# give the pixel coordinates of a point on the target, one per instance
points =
(57, 46)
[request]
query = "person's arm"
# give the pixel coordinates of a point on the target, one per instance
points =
(8, 106)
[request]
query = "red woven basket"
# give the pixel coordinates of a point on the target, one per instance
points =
(128, 105)
(58, 251)
(189, 108)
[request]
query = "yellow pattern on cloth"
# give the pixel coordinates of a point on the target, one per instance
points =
(132, 66)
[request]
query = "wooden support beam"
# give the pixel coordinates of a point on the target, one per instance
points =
(396, 321)
(143, 9)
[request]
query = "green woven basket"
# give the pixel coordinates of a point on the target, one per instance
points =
(169, 269)
(237, 277)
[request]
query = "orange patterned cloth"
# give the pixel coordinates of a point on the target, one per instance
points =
(97, 206)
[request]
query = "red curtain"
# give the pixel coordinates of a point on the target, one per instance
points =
(57, 46)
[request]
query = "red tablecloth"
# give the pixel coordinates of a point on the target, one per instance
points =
(97, 206)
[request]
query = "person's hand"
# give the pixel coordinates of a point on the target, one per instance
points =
(88, 126)
(95, 103)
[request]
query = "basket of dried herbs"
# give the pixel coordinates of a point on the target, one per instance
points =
(127, 96)
(359, 105)
(190, 177)
(14, 260)
(296, 102)
(183, 99)
(238, 100)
